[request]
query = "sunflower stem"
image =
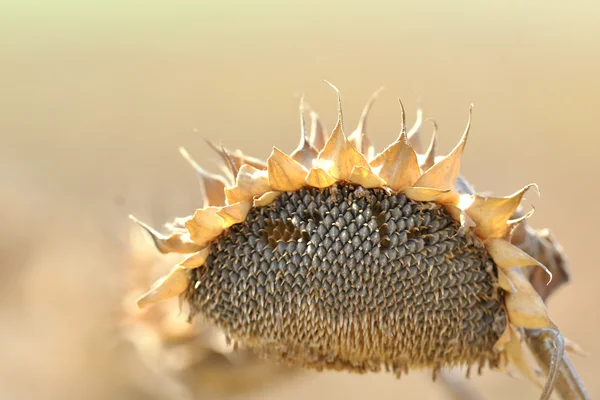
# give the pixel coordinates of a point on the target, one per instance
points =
(569, 385)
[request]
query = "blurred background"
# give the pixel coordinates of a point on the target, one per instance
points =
(95, 98)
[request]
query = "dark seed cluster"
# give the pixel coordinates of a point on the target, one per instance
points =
(353, 278)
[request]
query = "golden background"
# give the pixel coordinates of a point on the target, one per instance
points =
(95, 98)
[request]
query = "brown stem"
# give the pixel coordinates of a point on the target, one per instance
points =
(568, 386)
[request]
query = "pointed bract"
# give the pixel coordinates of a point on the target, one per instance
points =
(177, 242)
(266, 199)
(493, 213)
(414, 135)
(249, 182)
(521, 358)
(505, 283)
(318, 178)
(205, 225)
(285, 174)
(305, 153)
(212, 185)
(397, 165)
(424, 194)
(242, 159)
(442, 175)
(359, 138)
(366, 178)
(361, 142)
(172, 285)
(231, 165)
(318, 133)
(525, 307)
(234, 213)
(339, 157)
(195, 260)
(461, 216)
(237, 157)
(429, 156)
(506, 255)
(516, 225)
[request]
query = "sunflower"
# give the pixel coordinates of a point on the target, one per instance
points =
(338, 257)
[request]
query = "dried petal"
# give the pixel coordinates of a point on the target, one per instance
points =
(205, 225)
(520, 357)
(491, 214)
(505, 283)
(442, 175)
(212, 185)
(397, 165)
(461, 216)
(318, 133)
(429, 156)
(414, 135)
(172, 285)
(177, 242)
(525, 307)
(237, 157)
(359, 138)
(506, 255)
(249, 182)
(305, 153)
(285, 174)
(504, 339)
(424, 194)
(365, 178)
(195, 260)
(266, 199)
(318, 178)
(339, 157)
(234, 213)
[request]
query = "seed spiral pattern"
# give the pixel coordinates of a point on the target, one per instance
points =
(353, 278)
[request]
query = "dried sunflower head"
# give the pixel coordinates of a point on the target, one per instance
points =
(335, 257)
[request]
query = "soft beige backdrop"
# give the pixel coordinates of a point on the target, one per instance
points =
(95, 98)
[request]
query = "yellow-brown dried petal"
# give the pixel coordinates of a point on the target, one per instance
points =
(397, 165)
(234, 213)
(177, 242)
(205, 225)
(212, 185)
(506, 255)
(250, 182)
(491, 214)
(339, 157)
(365, 178)
(442, 174)
(318, 178)
(424, 194)
(195, 260)
(266, 199)
(305, 154)
(525, 307)
(285, 174)
(172, 285)
(521, 357)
